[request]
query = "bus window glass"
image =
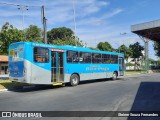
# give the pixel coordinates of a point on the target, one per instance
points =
(105, 58)
(85, 57)
(41, 54)
(96, 58)
(72, 56)
(114, 59)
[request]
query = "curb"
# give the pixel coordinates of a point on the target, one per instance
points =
(13, 89)
(22, 88)
(2, 90)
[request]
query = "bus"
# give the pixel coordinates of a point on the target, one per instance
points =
(38, 63)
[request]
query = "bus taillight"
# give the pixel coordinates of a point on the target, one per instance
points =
(25, 70)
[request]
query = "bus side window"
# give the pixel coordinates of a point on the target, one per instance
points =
(85, 57)
(96, 58)
(114, 59)
(72, 56)
(41, 54)
(105, 58)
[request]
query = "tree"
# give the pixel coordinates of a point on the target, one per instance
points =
(136, 52)
(59, 34)
(9, 35)
(93, 48)
(104, 46)
(70, 41)
(157, 48)
(63, 36)
(33, 33)
(126, 50)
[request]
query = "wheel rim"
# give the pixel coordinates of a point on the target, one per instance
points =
(75, 80)
(114, 75)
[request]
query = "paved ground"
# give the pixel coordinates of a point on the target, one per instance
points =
(136, 93)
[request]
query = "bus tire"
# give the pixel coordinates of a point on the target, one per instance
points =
(74, 80)
(114, 76)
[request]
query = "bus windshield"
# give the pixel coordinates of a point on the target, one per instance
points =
(16, 52)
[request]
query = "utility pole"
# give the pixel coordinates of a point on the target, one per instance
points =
(44, 25)
(74, 13)
(23, 8)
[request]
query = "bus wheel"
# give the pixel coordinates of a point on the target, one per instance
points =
(74, 80)
(114, 76)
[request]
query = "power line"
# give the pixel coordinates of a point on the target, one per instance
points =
(11, 4)
(25, 7)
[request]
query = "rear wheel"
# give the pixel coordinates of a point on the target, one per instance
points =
(74, 80)
(114, 76)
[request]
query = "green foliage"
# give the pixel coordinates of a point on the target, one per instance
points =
(104, 46)
(33, 33)
(9, 35)
(136, 53)
(126, 50)
(157, 48)
(151, 60)
(93, 48)
(61, 33)
(70, 41)
(63, 36)
(129, 64)
(136, 50)
(158, 62)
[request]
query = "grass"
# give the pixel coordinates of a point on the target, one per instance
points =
(7, 84)
(131, 72)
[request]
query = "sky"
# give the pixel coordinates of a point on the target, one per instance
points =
(96, 20)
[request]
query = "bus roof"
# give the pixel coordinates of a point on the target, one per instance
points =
(68, 47)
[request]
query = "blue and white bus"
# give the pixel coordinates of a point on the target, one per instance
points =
(37, 63)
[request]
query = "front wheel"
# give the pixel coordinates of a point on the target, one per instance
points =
(114, 76)
(74, 80)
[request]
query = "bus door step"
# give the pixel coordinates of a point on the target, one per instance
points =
(58, 83)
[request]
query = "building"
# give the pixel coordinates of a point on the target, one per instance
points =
(3, 64)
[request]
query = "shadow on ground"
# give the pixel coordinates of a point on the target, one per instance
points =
(98, 80)
(147, 100)
(31, 88)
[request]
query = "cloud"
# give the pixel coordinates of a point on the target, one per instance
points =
(103, 3)
(99, 20)
(57, 11)
(90, 7)
(113, 13)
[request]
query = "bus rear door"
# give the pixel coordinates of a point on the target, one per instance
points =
(57, 65)
(121, 66)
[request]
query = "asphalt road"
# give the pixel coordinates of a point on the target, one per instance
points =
(136, 93)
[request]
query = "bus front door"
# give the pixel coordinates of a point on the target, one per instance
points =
(57, 65)
(121, 66)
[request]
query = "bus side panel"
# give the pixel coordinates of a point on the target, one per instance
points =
(90, 71)
(40, 75)
(28, 71)
(37, 73)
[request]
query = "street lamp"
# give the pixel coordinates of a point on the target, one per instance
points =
(124, 33)
(117, 46)
(23, 8)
